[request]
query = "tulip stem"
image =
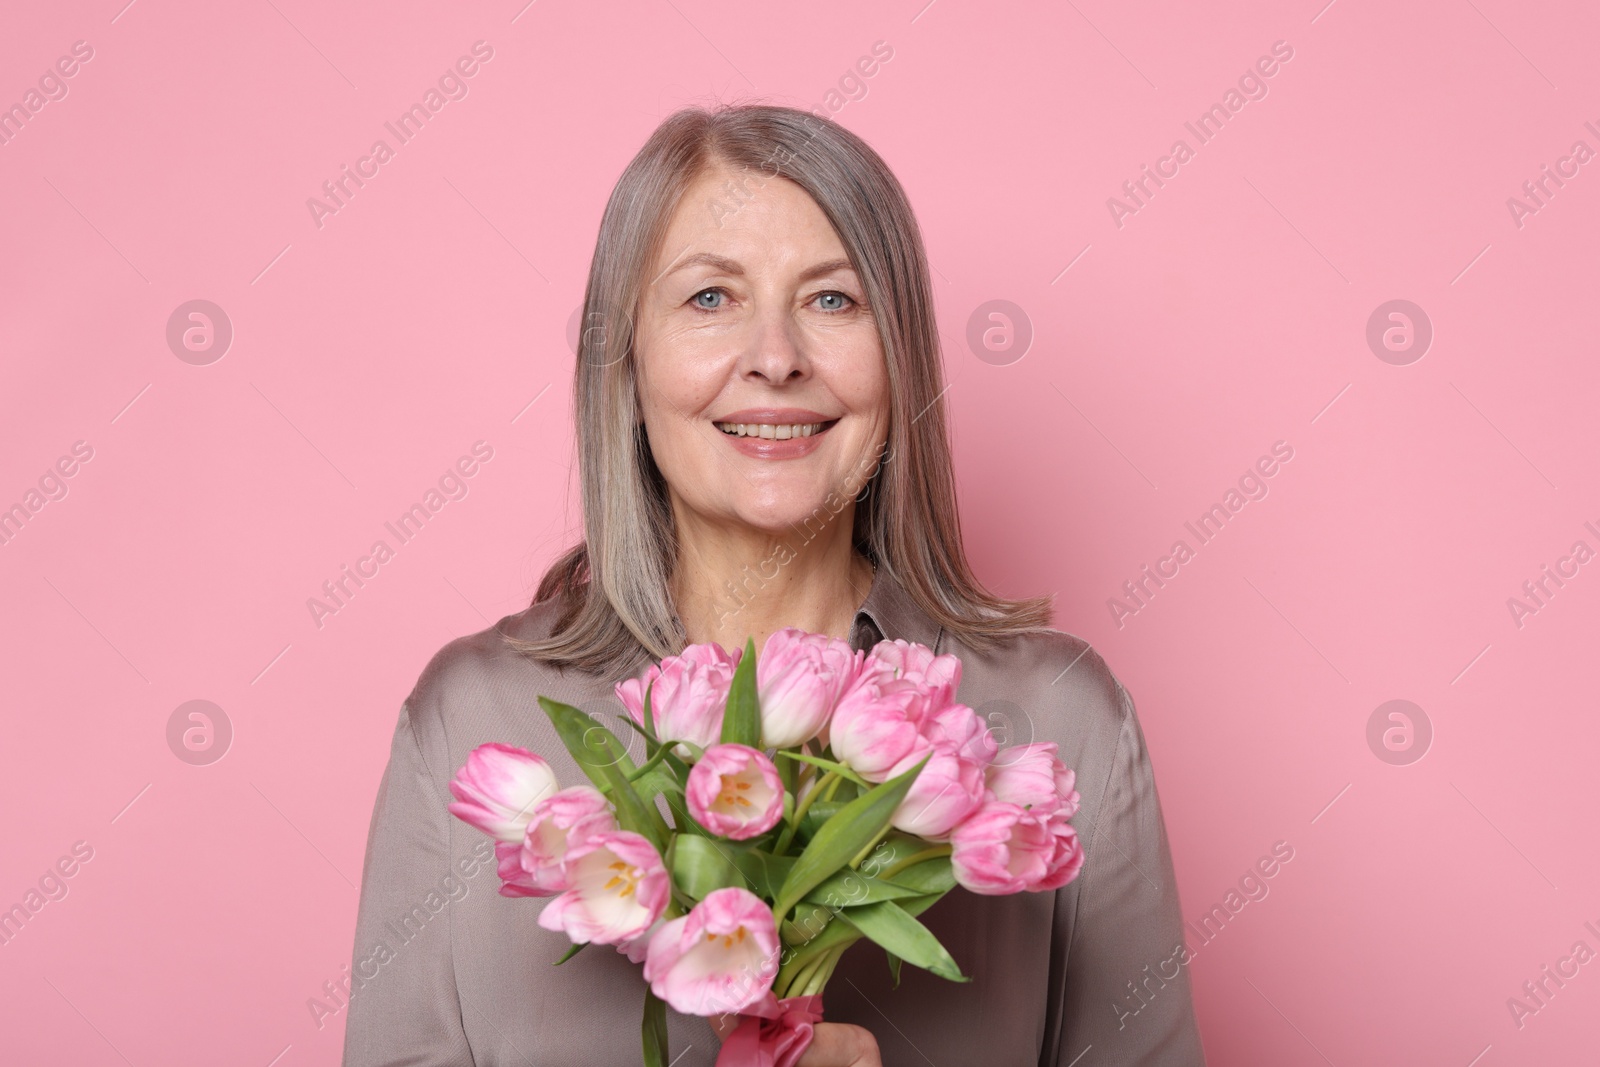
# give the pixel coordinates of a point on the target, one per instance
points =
(792, 981)
(912, 860)
(789, 776)
(822, 972)
(805, 970)
(804, 806)
(662, 752)
(800, 810)
(801, 975)
(865, 852)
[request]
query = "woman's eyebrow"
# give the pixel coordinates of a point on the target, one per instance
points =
(724, 265)
(827, 268)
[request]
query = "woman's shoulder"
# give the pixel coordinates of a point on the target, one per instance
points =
(487, 662)
(1057, 683)
(1043, 660)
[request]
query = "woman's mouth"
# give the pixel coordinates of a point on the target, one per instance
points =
(774, 431)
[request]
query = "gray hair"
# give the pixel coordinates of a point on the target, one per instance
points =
(613, 587)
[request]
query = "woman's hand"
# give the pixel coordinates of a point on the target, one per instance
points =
(841, 1045)
(832, 1044)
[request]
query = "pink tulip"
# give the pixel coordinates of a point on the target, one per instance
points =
(939, 675)
(735, 792)
(1031, 776)
(947, 790)
(1003, 848)
(618, 886)
(720, 958)
(957, 727)
(878, 724)
(800, 676)
(497, 789)
(637, 948)
(537, 867)
(689, 695)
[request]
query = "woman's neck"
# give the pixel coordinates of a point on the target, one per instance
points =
(735, 584)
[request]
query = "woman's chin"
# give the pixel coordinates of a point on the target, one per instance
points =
(794, 518)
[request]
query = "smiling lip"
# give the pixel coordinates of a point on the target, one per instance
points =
(771, 448)
(776, 416)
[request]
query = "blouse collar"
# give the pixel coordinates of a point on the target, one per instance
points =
(889, 613)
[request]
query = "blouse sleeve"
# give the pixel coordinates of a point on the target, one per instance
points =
(403, 1007)
(1126, 991)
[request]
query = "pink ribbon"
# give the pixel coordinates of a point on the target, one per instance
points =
(773, 1033)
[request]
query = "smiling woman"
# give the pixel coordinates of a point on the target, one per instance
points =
(722, 338)
(759, 405)
(756, 351)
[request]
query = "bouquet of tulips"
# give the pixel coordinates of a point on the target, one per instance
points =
(785, 808)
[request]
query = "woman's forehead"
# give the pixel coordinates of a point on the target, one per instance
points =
(726, 209)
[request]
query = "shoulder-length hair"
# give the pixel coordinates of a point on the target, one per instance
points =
(612, 588)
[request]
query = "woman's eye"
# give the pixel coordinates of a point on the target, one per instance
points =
(833, 301)
(699, 299)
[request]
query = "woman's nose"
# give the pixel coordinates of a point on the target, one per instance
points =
(773, 350)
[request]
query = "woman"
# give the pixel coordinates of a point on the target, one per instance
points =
(763, 444)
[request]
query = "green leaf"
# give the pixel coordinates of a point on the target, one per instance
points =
(571, 952)
(848, 888)
(818, 814)
(649, 716)
(656, 783)
(681, 819)
(828, 765)
(593, 746)
(894, 969)
(806, 940)
(654, 1030)
(918, 905)
(845, 889)
(810, 921)
(930, 876)
(640, 730)
(680, 769)
(895, 848)
(741, 721)
(763, 871)
(890, 925)
(853, 828)
(583, 736)
(701, 866)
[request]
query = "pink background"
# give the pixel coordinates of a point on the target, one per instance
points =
(1228, 313)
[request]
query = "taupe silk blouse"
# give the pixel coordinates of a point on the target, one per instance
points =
(448, 972)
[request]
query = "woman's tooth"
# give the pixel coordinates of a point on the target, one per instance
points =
(771, 431)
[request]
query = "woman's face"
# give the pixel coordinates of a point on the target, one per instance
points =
(752, 317)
